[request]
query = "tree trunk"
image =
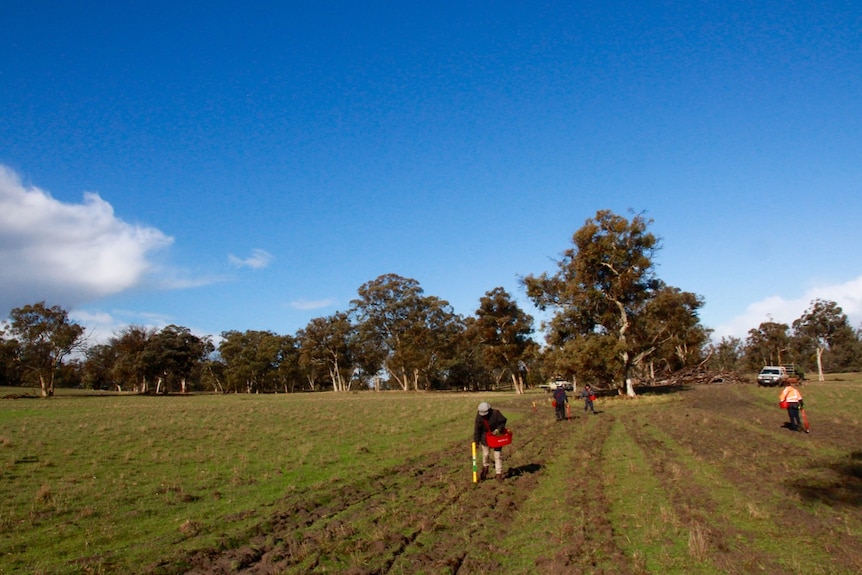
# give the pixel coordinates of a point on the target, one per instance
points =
(820, 364)
(516, 381)
(403, 381)
(45, 388)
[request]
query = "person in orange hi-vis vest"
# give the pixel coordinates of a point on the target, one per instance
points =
(793, 399)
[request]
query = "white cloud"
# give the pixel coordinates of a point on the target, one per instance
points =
(847, 295)
(257, 260)
(101, 325)
(64, 253)
(307, 305)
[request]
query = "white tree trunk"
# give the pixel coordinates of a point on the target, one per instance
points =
(820, 364)
(402, 379)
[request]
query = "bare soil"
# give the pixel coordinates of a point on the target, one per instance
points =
(428, 517)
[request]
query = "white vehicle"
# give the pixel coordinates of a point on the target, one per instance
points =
(552, 385)
(772, 375)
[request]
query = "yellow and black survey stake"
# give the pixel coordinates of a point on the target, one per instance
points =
(475, 477)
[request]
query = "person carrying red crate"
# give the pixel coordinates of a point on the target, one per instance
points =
(491, 421)
(589, 396)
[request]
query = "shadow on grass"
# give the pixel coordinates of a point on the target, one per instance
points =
(524, 469)
(661, 389)
(846, 489)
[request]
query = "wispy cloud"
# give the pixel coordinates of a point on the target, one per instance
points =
(257, 260)
(67, 253)
(848, 295)
(307, 305)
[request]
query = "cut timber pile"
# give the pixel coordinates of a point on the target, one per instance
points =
(699, 375)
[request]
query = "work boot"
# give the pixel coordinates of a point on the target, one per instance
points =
(500, 477)
(483, 475)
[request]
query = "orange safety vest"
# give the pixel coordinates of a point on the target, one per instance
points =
(790, 394)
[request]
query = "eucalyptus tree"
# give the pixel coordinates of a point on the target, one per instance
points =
(326, 346)
(824, 326)
(601, 295)
(671, 330)
(97, 370)
(767, 344)
(289, 371)
(131, 368)
(432, 344)
(409, 332)
(45, 336)
(176, 354)
(10, 366)
(251, 359)
(467, 370)
(727, 354)
(503, 331)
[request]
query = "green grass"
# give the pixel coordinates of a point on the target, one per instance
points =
(649, 529)
(112, 483)
(117, 480)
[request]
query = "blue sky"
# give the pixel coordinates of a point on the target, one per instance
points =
(227, 165)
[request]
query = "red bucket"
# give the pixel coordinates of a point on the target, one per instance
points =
(498, 440)
(782, 404)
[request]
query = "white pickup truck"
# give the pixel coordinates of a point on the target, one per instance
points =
(552, 385)
(772, 375)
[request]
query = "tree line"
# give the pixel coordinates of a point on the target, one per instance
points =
(612, 322)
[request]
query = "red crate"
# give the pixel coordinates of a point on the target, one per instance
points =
(499, 440)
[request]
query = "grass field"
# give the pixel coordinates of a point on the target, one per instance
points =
(698, 480)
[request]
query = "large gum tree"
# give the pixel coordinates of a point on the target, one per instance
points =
(603, 300)
(503, 330)
(45, 336)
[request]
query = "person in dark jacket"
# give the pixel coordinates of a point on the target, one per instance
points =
(560, 399)
(489, 421)
(587, 395)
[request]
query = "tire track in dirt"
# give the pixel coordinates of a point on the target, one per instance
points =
(757, 461)
(488, 509)
(587, 544)
(697, 511)
(353, 519)
(375, 522)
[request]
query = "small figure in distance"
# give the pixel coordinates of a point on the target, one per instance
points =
(489, 421)
(560, 401)
(793, 397)
(588, 395)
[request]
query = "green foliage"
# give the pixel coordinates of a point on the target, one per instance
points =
(45, 335)
(502, 330)
(409, 332)
(611, 314)
(727, 354)
(255, 361)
